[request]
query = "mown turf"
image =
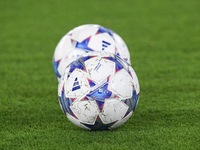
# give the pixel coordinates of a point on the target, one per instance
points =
(164, 42)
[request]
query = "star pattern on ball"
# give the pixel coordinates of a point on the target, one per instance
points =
(84, 44)
(105, 30)
(99, 93)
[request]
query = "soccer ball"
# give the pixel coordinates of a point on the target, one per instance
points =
(84, 39)
(98, 91)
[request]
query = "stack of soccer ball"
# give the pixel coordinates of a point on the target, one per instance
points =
(98, 89)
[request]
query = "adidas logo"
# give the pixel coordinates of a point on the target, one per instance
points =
(76, 85)
(105, 45)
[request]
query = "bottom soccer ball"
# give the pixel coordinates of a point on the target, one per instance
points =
(98, 91)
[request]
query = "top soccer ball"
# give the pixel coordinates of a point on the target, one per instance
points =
(84, 39)
(98, 91)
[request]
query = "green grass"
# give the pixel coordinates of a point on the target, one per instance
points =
(164, 41)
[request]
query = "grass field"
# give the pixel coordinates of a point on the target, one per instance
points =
(164, 41)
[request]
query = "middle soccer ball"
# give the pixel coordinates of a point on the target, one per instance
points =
(84, 39)
(98, 91)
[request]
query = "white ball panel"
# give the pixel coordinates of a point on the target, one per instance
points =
(113, 110)
(82, 33)
(121, 84)
(62, 48)
(99, 68)
(86, 111)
